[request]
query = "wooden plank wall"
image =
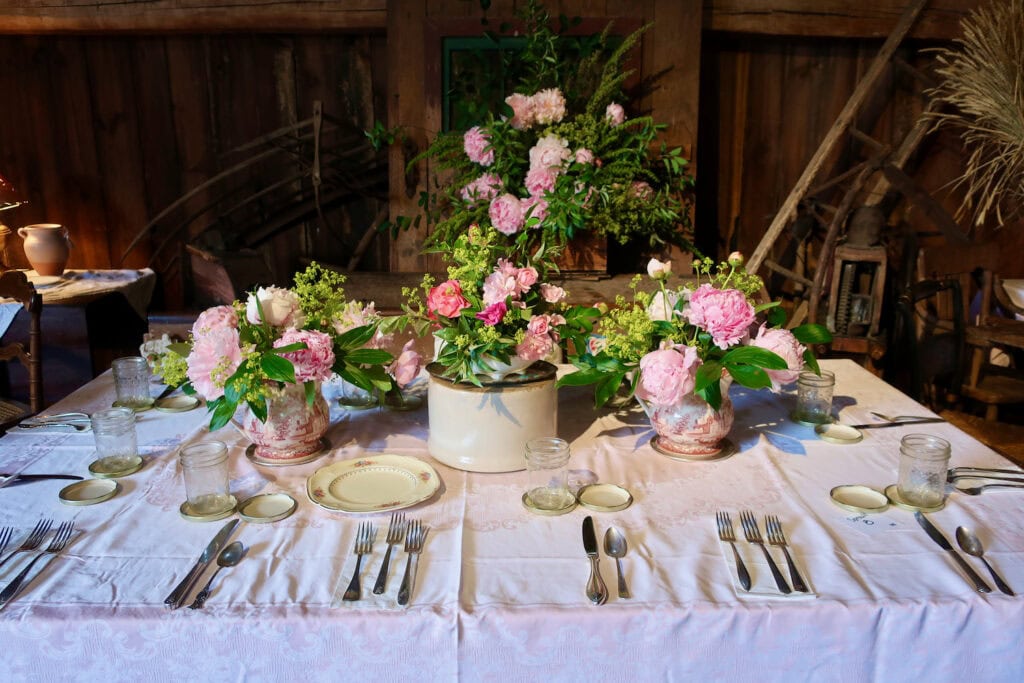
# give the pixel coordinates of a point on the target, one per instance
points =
(102, 133)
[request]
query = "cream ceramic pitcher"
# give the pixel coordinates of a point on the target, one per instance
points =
(47, 247)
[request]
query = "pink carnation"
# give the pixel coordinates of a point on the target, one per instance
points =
(215, 318)
(485, 188)
(506, 214)
(493, 314)
(667, 375)
(724, 313)
(214, 358)
(550, 152)
(478, 146)
(584, 156)
(407, 366)
(535, 346)
(446, 299)
(522, 111)
(551, 293)
(540, 179)
(783, 343)
(313, 362)
(548, 106)
(534, 207)
(498, 286)
(615, 114)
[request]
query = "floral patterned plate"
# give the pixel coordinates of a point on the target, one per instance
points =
(372, 483)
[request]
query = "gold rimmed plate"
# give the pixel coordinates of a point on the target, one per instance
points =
(373, 483)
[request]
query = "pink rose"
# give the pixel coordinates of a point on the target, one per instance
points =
(539, 324)
(584, 156)
(407, 366)
(506, 267)
(783, 343)
(485, 188)
(614, 114)
(215, 318)
(446, 300)
(526, 277)
(540, 179)
(313, 362)
(534, 207)
(506, 214)
(548, 106)
(724, 313)
(478, 146)
(493, 314)
(214, 358)
(522, 110)
(551, 293)
(535, 346)
(667, 375)
(550, 152)
(280, 307)
(498, 286)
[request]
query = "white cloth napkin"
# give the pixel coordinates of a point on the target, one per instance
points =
(761, 580)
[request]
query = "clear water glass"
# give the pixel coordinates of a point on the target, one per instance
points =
(117, 444)
(923, 462)
(205, 469)
(814, 397)
(547, 465)
(131, 382)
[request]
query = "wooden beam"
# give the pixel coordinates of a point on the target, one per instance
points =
(834, 18)
(190, 16)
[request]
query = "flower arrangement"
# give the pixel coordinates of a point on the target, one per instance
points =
(489, 310)
(683, 340)
(562, 157)
(245, 352)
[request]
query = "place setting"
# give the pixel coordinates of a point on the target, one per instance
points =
(402, 535)
(17, 576)
(760, 574)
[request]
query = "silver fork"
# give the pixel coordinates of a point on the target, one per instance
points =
(777, 537)
(396, 534)
(413, 546)
(364, 544)
(33, 540)
(727, 535)
(5, 537)
(57, 544)
(753, 534)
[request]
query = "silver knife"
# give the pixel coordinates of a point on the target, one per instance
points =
(904, 423)
(177, 596)
(937, 536)
(16, 479)
(596, 590)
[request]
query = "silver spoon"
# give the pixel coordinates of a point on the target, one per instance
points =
(976, 490)
(615, 546)
(971, 545)
(228, 557)
(44, 425)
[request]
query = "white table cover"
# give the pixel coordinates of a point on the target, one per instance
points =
(500, 591)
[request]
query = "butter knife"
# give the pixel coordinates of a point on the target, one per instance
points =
(903, 423)
(177, 596)
(596, 590)
(16, 479)
(936, 535)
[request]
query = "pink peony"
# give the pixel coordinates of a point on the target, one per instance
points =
(535, 346)
(550, 152)
(724, 313)
(478, 146)
(407, 366)
(498, 286)
(506, 214)
(584, 156)
(615, 114)
(215, 318)
(446, 300)
(667, 375)
(540, 179)
(534, 207)
(214, 358)
(539, 324)
(548, 106)
(522, 110)
(783, 343)
(551, 293)
(280, 307)
(493, 314)
(526, 277)
(313, 362)
(485, 188)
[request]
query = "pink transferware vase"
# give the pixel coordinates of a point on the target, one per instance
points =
(691, 429)
(293, 432)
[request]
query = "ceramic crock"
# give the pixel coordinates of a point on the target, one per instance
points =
(47, 247)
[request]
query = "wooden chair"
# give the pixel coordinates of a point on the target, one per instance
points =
(14, 285)
(986, 383)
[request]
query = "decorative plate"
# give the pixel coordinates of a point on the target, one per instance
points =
(373, 483)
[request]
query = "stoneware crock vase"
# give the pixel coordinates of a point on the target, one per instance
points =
(485, 428)
(691, 429)
(47, 247)
(293, 431)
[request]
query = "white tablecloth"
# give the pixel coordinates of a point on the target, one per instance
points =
(500, 591)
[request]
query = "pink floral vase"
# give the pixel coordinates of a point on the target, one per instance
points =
(691, 429)
(293, 431)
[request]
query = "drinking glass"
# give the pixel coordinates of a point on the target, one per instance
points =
(547, 464)
(131, 382)
(814, 397)
(117, 446)
(923, 462)
(205, 469)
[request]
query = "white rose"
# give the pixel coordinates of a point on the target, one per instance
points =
(280, 307)
(661, 307)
